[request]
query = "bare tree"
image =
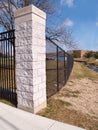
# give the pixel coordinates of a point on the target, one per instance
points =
(61, 35)
(7, 8)
(6, 15)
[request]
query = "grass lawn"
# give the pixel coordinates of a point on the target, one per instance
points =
(81, 71)
(51, 75)
(7, 78)
(7, 72)
(88, 60)
(92, 61)
(7, 102)
(61, 110)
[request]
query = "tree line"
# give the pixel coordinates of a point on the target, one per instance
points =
(90, 54)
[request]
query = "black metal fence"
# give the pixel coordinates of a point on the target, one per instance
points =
(58, 68)
(7, 67)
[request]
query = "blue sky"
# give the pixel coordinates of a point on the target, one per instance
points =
(82, 17)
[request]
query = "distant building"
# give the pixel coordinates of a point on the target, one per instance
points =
(78, 53)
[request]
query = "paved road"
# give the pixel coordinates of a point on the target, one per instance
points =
(16, 119)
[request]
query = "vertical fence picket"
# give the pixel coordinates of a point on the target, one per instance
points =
(7, 67)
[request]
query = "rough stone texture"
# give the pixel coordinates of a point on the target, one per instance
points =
(30, 58)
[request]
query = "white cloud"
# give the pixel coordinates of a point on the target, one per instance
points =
(96, 23)
(68, 22)
(69, 3)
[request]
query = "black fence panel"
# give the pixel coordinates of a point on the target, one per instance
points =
(7, 67)
(58, 68)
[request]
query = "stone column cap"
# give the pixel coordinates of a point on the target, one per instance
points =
(28, 10)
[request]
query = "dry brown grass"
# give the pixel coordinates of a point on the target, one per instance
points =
(52, 76)
(63, 110)
(87, 60)
(93, 62)
(60, 110)
(81, 71)
(7, 102)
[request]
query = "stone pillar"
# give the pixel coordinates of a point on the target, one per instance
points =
(30, 49)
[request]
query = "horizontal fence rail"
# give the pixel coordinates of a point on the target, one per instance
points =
(59, 65)
(7, 67)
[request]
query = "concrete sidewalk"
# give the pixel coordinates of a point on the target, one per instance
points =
(16, 119)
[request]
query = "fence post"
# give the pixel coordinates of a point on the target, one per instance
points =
(30, 50)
